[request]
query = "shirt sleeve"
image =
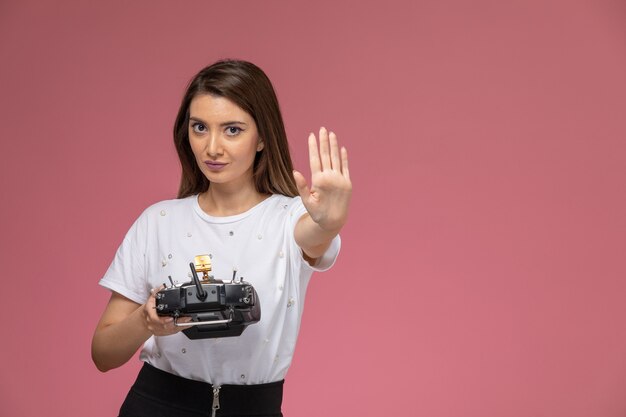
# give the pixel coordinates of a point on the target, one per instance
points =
(327, 260)
(126, 274)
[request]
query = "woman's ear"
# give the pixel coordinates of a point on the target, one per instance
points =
(260, 146)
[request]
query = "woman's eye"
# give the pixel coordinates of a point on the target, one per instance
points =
(198, 127)
(232, 130)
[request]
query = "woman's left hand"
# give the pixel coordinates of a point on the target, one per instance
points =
(328, 198)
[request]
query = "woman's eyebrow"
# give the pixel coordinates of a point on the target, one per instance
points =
(231, 122)
(196, 119)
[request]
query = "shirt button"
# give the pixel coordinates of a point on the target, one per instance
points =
(163, 213)
(183, 350)
(243, 376)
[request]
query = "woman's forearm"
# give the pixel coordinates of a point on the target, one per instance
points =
(116, 341)
(312, 239)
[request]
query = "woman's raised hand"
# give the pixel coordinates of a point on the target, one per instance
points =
(328, 198)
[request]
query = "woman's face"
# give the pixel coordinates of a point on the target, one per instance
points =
(224, 139)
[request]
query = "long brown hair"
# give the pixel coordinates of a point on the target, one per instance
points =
(248, 87)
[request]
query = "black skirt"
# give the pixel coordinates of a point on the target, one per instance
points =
(157, 393)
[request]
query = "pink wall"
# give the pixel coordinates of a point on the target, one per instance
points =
(483, 268)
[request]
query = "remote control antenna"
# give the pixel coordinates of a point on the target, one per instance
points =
(200, 293)
(170, 278)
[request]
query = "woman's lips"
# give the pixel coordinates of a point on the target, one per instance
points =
(214, 166)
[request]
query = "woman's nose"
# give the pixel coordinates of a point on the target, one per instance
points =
(214, 145)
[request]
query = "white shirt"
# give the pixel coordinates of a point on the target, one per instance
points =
(260, 245)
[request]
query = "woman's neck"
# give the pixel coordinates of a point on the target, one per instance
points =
(222, 201)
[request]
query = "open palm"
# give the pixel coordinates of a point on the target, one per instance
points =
(328, 198)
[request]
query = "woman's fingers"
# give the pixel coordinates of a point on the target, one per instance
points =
(158, 325)
(301, 184)
(334, 152)
(344, 163)
(324, 149)
(328, 155)
(314, 156)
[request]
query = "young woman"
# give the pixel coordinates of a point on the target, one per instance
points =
(241, 202)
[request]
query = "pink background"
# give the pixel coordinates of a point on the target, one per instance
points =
(483, 268)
